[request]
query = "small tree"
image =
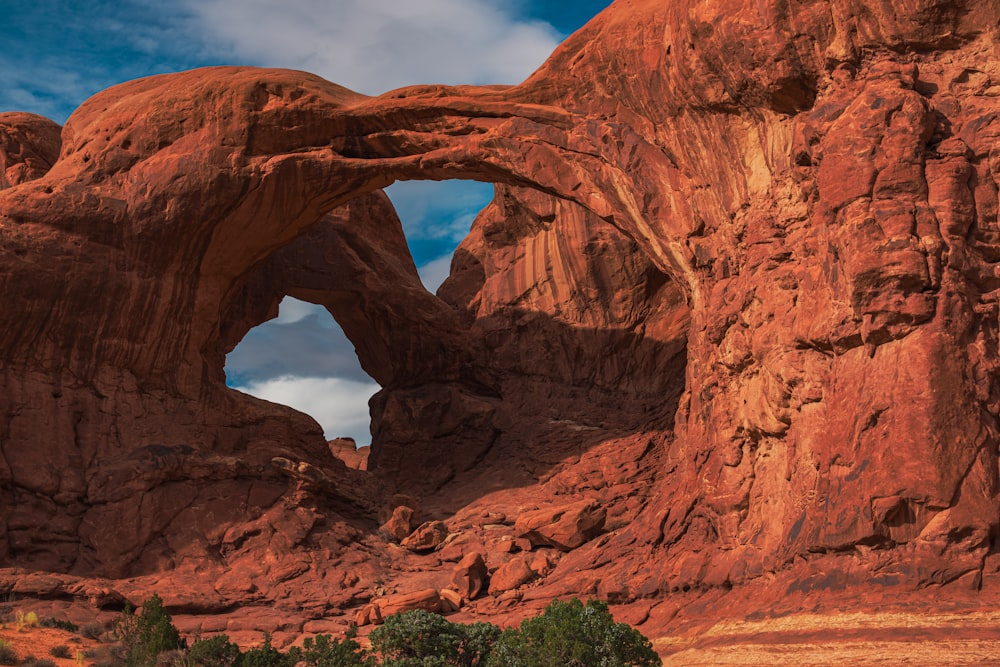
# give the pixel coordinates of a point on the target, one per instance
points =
(421, 639)
(216, 651)
(324, 651)
(145, 636)
(268, 656)
(569, 634)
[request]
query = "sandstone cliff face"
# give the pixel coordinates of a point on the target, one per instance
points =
(839, 261)
(738, 283)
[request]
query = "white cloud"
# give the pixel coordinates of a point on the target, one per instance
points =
(340, 406)
(433, 273)
(303, 341)
(44, 89)
(376, 45)
(292, 310)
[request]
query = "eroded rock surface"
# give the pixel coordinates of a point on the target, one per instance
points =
(738, 286)
(29, 145)
(564, 527)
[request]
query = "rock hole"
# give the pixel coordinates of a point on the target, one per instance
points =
(302, 359)
(436, 216)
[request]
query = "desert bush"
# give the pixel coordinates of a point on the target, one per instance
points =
(571, 634)
(323, 651)
(422, 639)
(146, 635)
(215, 651)
(61, 651)
(23, 620)
(8, 656)
(92, 631)
(100, 656)
(37, 662)
(51, 622)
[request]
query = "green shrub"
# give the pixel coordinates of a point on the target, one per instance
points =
(324, 651)
(268, 656)
(422, 639)
(145, 636)
(50, 622)
(216, 651)
(570, 634)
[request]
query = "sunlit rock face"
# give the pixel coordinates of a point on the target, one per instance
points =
(738, 284)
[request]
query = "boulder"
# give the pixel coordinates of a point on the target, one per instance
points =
(513, 574)
(400, 524)
(564, 527)
(470, 575)
(451, 600)
(427, 537)
(427, 599)
(29, 146)
(368, 615)
(540, 563)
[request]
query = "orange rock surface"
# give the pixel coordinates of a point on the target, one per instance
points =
(738, 286)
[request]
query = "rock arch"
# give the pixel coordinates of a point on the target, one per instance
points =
(195, 202)
(824, 198)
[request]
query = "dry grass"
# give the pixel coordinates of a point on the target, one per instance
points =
(944, 652)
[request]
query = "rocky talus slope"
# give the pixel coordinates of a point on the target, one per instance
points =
(723, 347)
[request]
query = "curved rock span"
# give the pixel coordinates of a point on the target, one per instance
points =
(738, 287)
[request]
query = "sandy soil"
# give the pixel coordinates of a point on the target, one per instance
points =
(38, 642)
(843, 639)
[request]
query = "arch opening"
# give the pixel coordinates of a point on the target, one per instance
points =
(436, 217)
(303, 359)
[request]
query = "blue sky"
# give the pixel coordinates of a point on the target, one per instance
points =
(57, 53)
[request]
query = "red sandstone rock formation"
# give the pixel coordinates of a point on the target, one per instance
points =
(738, 285)
(470, 575)
(346, 450)
(29, 145)
(512, 574)
(565, 527)
(400, 524)
(426, 537)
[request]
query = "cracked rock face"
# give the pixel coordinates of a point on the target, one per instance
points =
(738, 284)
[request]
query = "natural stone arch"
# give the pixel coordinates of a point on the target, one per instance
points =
(185, 209)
